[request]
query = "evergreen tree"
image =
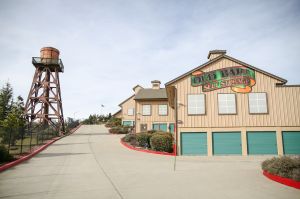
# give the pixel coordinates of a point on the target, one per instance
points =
(12, 120)
(6, 101)
(14, 123)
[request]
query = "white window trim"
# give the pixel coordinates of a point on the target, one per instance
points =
(235, 104)
(266, 101)
(204, 101)
(167, 112)
(132, 112)
(149, 110)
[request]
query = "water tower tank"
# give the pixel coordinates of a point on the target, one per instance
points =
(49, 55)
(49, 52)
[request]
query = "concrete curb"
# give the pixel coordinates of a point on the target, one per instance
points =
(282, 180)
(145, 150)
(38, 150)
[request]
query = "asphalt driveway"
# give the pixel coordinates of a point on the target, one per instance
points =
(93, 164)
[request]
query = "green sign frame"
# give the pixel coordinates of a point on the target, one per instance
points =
(240, 78)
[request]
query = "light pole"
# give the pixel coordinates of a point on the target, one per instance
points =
(102, 106)
(74, 114)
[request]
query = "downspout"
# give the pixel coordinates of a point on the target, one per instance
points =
(135, 112)
(176, 122)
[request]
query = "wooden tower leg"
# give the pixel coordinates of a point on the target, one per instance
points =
(44, 104)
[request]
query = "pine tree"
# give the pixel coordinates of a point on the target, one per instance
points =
(6, 101)
(11, 114)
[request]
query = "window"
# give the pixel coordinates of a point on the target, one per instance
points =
(227, 104)
(196, 104)
(146, 109)
(160, 127)
(163, 109)
(130, 111)
(258, 103)
(128, 123)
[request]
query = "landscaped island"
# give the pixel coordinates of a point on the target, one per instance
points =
(153, 140)
(285, 170)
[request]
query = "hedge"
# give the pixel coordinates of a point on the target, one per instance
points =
(120, 130)
(4, 155)
(156, 140)
(143, 139)
(285, 166)
(160, 141)
(113, 122)
(130, 138)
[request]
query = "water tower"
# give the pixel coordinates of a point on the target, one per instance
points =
(44, 104)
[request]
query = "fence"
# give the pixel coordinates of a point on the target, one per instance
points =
(21, 141)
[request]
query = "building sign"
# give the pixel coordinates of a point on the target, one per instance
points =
(239, 78)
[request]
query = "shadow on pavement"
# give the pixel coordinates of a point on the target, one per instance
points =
(57, 144)
(82, 134)
(43, 155)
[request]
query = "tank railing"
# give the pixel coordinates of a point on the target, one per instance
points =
(48, 61)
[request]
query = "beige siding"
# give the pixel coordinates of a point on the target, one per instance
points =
(130, 103)
(283, 103)
(118, 115)
(212, 56)
(154, 117)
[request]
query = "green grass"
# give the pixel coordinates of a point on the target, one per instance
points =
(16, 150)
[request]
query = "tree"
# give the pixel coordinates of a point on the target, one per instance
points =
(71, 123)
(14, 123)
(6, 101)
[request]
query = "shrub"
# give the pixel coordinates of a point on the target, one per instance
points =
(162, 142)
(130, 138)
(151, 131)
(283, 166)
(120, 130)
(4, 155)
(296, 174)
(113, 122)
(143, 139)
(163, 133)
(265, 164)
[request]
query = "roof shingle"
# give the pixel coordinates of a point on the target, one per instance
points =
(151, 94)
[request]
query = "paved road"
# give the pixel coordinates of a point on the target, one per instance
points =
(92, 164)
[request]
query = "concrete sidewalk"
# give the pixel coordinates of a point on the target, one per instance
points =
(93, 164)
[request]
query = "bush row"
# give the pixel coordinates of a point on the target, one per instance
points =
(287, 167)
(157, 141)
(120, 129)
(4, 155)
(113, 122)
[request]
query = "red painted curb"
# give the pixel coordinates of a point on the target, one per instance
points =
(24, 158)
(75, 129)
(282, 180)
(145, 150)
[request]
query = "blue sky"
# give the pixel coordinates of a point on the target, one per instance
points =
(110, 46)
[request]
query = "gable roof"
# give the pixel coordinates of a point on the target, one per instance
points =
(151, 94)
(136, 87)
(126, 100)
(232, 59)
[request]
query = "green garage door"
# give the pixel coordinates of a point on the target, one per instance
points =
(227, 143)
(291, 142)
(193, 143)
(261, 142)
